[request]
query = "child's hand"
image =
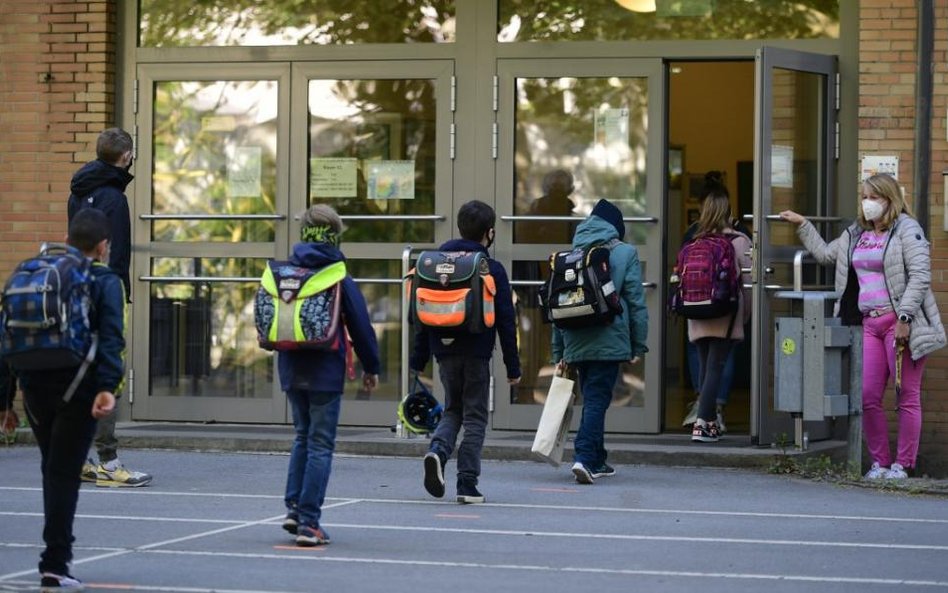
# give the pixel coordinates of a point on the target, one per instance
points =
(369, 381)
(104, 404)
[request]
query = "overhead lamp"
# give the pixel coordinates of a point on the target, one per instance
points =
(637, 5)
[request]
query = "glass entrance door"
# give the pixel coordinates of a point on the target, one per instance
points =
(795, 169)
(234, 154)
(572, 132)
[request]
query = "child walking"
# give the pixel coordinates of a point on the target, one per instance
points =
(464, 363)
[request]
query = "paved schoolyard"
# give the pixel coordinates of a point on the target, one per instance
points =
(210, 522)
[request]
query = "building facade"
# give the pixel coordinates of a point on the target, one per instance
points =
(398, 112)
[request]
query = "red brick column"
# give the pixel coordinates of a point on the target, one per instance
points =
(887, 86)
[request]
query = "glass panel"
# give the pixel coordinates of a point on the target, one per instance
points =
(385, 307)
(215, 151)
(203, 339)
(796, 148)
(372, 152)
(593, 130)
(185, 23)
(623, 20)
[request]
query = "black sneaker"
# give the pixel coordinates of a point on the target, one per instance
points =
(434, 474)
(291, 523)
(705, 433)
(582, 473)
(307, 536)
(604, 471)
(468, 494)
(50, 583)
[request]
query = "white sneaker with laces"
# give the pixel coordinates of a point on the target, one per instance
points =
(896, 472)
(876, 472)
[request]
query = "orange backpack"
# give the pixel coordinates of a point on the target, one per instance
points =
(452, 290)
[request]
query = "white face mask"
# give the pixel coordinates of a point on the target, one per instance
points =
(872, 209)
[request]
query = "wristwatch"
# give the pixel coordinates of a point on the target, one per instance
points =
(905, 318)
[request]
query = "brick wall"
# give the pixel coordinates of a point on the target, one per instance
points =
(887, 65)
(57, 79)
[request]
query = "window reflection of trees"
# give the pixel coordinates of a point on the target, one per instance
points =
(606, 20)
(372, 120)
(556, 121)
(183, 23)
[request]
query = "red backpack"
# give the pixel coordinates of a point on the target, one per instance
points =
(709, 284)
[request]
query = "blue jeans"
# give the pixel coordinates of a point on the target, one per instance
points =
(597, 378)
(727, 375)
(466, 383)
(315, 416)
(713, 354)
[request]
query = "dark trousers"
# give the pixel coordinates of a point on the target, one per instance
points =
(597, 380)
(64, 433)
(712, 356)
(466, 383)
(106, 445)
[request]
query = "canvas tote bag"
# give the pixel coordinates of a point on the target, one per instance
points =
(554, 422)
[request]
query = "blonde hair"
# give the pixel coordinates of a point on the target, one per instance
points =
(715, 215)
(886, 187)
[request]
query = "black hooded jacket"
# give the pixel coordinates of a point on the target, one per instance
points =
(101, 185)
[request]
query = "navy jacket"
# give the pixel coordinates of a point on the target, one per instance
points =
(107, 373)
(475, 345)
(312, 370)
(101, 185)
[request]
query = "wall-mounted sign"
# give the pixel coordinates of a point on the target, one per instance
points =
(243, 172)
(874, 164)
(333, 178)
(390, 180)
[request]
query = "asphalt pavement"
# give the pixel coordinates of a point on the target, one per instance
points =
(211, 522)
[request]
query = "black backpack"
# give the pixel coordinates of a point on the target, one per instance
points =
(580, 291)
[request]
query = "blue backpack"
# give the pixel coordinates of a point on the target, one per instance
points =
(45, 314)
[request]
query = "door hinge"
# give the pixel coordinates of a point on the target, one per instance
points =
(135, 141)
(490, 405)
(135, 96)
(493, 141)
(453, 138)
(496, 92)
(131, 386)
(837, 92)
(454, 94)
(836, 139)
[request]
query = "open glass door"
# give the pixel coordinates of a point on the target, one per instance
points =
(794, 168)
(572, 132)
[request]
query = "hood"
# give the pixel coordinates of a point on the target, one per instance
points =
(594, 230)
(96, 174)
(315, 255)
(462, 245)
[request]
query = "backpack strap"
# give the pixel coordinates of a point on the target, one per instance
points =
(86, 363)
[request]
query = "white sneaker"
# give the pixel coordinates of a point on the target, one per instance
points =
(896, 472)
(877, 472)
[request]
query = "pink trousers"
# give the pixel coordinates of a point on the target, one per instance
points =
(878, 366)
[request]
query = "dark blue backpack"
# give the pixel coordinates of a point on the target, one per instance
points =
(45, 316)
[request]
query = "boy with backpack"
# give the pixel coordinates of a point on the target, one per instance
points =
(313, 376)
(710, 295)
(63, 412)
(464, 362)
(596, 351)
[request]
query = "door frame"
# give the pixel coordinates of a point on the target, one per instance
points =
(645, 419)
(765, 422)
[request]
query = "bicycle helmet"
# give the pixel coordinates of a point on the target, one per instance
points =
(420, 411)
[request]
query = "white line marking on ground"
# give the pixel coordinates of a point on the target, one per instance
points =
(139, 587)
(630, 537)
(129, 518)
(574, 508)
(555, 569)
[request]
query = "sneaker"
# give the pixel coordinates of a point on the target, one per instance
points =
(896, 472)
(119, 477)
(434, 474)
(722, 427)
(876, 472)
(308, 537)
(603, 471)
(50, 583)
(582, 473)
(88, 471)
(291, 524)
(705, 432)
(692, 416)
(468, 493)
